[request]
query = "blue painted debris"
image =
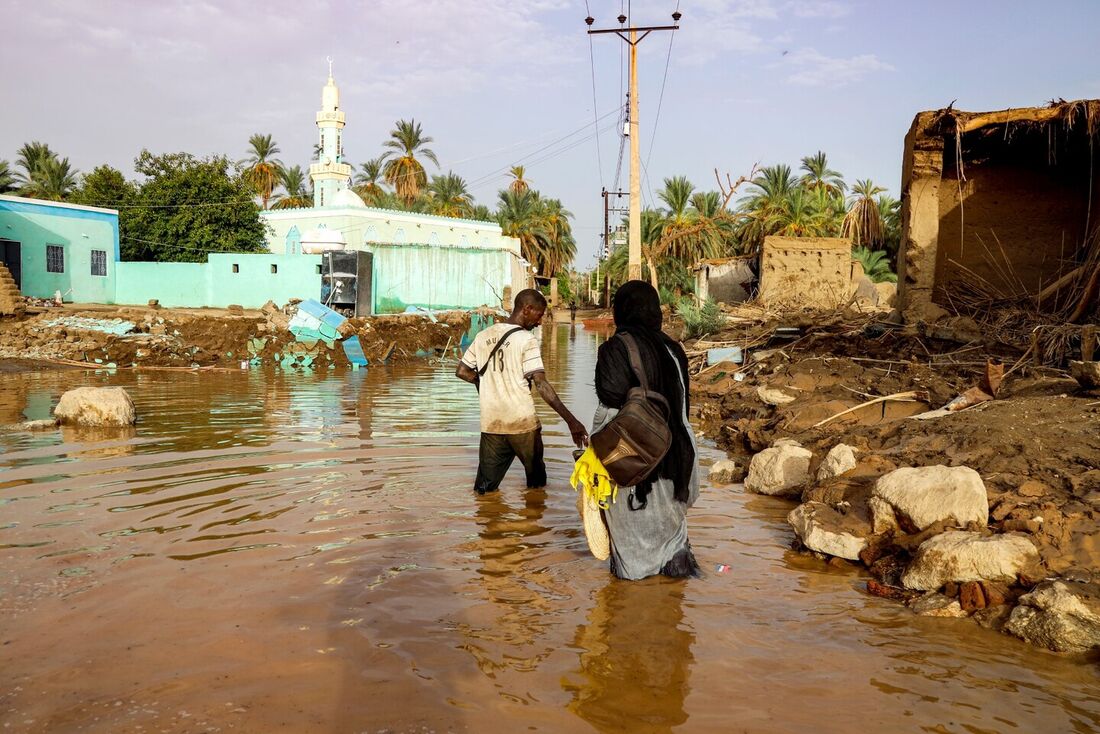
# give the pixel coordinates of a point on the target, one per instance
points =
(724, 354)
(315, 322)
(117, 327)
(354, 351)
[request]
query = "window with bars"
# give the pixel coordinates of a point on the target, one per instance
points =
(55, 259)
(99, 262)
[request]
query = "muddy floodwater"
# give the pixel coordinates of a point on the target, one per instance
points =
(304, 553)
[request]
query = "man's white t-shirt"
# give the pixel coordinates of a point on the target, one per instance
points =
(506, 402)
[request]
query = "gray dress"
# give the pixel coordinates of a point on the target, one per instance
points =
(643, 541)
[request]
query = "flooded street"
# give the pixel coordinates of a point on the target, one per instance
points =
(288, 552)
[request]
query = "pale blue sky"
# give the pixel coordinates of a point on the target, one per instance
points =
(493, 81)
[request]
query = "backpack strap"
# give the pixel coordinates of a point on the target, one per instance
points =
(636, 360)
(498, 345)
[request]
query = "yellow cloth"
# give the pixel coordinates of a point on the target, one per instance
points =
(590, 473)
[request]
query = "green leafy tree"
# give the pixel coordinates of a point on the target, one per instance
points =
(7, 178)
(889, 210)
(261, 167)
(876, 264)
(29, 157)
(52, 178)
(189, 207)
(818, 175)
(104, 186)
(367, 181)
(297, 194)
(542, 227)
(448, 195)
(403, 170)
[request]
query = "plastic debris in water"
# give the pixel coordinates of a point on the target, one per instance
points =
(721, 568)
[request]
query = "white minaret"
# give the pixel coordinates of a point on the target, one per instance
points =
(329, 174)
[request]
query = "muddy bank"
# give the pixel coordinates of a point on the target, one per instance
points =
(190, 338)
(1035, 446)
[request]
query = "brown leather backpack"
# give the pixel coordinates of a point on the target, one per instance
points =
(632, 445)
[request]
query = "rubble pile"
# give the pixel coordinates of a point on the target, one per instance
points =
(961, 472)
(138, 337)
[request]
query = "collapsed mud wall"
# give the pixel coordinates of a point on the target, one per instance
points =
(996, 206)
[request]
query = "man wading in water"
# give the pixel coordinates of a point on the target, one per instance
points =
(503, 362)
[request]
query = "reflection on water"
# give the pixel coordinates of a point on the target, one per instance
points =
(304, 552)
(635, 660)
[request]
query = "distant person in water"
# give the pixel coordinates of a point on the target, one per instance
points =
(648, 522)
(503, 362)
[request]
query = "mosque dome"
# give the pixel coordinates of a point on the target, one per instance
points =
(315, 241)
(347, 197)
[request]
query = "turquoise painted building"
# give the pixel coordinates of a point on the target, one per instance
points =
(49, 247)
(52, 247)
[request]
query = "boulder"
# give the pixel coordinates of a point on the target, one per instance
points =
(96, 406)
(780, 470)
(922, 496)
(936, 605)
(961, 556)
(1087, 374)
(886, 294)
(823, 529)
(1059, 616)
(726, 472)
(771, 396)
(841, 458)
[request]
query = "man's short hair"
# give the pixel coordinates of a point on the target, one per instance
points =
(529, 297)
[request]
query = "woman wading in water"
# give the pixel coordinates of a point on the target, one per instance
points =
(648, 523)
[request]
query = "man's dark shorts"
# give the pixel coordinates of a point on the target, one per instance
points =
(496, 455)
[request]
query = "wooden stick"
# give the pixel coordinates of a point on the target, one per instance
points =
(1088, 342)
(911, 395)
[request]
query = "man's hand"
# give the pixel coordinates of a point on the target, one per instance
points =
(579, 433)
(466, 373)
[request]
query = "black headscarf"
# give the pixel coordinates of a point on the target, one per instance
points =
(637, 310)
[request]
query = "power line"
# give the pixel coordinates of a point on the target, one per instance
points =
(595, 122)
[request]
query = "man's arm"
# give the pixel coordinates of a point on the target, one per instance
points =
(467, 373)
(546, 390)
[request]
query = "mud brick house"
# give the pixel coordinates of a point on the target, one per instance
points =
(1001, 208)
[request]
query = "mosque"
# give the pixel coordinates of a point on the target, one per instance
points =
(417, 259)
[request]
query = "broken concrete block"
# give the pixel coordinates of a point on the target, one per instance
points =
(771, 396)
(1087, 374)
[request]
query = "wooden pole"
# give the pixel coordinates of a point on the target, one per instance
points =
(1088, 342)
(634, 269)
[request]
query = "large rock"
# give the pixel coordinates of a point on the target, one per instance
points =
(841, 458)
(96, 406)
(726, 472)
(1059, 616)
(886, 294)
(780, 470)
(961, 556)
(923, 496)
(823, 529)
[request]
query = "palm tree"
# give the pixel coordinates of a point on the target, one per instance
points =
(366, 182)
(863, 223)
(7, 178)
(29, 157)
(518, 215)
(799, 217)
(562, 246)
(297, 194)
(768, 195)
(519, 183)
(52, 178)
(687, 234)
(481, 213)
(402, 169)
(262, 167)
(889, 209)
(449, 196)
(876, 265)
(819, 176)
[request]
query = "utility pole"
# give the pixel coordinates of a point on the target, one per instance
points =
(634, 267)
(605, 287)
